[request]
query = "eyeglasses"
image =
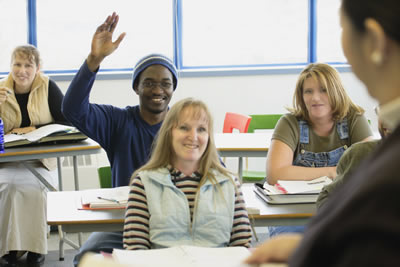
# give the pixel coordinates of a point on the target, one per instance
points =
(152, 84)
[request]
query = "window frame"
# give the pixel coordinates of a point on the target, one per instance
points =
(126, 73)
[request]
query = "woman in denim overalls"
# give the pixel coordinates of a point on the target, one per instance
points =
(321, 107)
(311, 159)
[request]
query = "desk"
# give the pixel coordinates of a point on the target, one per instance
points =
(25, 153)
(243, 145)
(62, 209)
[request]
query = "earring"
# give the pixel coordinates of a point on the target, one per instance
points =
(376, 58)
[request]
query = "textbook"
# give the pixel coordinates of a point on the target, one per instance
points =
(292, 192)
(183, 256)
(48, 133)
(105, 198)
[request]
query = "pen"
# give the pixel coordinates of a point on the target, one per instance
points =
(316, 182)
(109, 199)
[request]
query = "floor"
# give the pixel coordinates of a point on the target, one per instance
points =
(52, 258)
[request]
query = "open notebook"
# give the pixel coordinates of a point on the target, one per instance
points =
(292, 192)
(45, 134)
(105, 198)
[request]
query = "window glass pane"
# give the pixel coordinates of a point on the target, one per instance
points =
(65, 30)
(329, 48)
(14, 14)
(237, 32)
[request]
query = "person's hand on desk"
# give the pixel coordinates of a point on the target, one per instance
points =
(332, 172)
(277, 249)
(4, 93)
(23, 130)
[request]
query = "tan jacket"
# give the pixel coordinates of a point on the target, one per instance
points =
(38, 108)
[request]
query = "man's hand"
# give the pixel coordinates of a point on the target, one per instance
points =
(102, 44)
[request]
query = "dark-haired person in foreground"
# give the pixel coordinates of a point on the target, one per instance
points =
(360, 224)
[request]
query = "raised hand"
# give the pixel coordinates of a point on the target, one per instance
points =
(102, 44)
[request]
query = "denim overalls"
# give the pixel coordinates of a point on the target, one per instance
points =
(321, 159)
(312, 159)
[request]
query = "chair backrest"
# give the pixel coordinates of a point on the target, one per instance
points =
(236, 121)
(263, 121)
(104, 176)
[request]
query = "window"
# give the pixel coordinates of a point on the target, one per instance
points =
(237, 32)
(65, 30)
(201, 35)
(14, 30)
(329, 48)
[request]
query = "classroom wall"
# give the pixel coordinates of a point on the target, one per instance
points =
(251, 94)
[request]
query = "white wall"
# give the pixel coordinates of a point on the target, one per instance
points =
(255, 94)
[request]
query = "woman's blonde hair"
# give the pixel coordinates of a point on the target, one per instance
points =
(27, 51)
(329, 78)
(163, 152)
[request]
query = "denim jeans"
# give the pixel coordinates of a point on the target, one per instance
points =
(100, 241)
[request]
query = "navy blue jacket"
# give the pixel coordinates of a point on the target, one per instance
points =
(121, 132)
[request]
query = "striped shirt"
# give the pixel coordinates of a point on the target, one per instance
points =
(136, 228)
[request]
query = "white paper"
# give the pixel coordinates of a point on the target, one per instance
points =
(183, 256)
(39, 133)
(305, 187)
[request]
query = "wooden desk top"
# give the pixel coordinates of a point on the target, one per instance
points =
(62, 209)
(87, 146)
(243, 141)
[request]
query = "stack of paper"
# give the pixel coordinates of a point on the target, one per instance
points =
(290, 192)
(183, 256)
(105, 198)
(205, 257)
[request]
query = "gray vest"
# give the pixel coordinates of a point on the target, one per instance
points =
(170, 223)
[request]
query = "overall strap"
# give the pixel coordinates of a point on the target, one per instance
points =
(343, 129)
(304, 132)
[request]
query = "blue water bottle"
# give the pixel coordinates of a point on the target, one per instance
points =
(1, 136)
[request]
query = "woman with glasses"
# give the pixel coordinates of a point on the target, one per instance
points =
(183, 195)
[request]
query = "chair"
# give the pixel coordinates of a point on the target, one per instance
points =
(104, 176)
(259, 122)
(236, 121)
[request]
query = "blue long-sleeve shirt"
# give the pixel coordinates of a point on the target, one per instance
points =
(121, 132)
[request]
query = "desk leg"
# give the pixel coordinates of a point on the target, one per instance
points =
(63, 238)
(240, 171)
(61, 243)
(39, 176)
(60, 184)
(76, 178)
